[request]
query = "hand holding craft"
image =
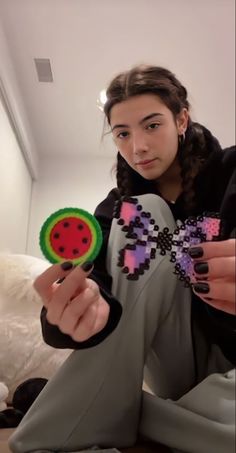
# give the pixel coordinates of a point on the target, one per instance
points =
(214, 266)
(70, 237)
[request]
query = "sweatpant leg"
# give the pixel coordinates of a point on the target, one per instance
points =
(202, 421)
(95, 398)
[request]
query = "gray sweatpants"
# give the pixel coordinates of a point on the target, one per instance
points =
(96, 398)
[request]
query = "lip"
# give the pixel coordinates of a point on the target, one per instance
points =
(144, 163)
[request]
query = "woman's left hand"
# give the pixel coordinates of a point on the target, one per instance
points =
(214, 266)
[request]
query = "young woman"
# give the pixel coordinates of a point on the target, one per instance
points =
(180, 340)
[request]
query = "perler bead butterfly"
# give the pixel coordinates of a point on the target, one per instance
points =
(146, 239)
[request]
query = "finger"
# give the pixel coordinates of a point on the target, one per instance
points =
(216, 268)
(84, 328)
(216, 289)
(92, 321)
(75, 309)
(207, 250)
(73, 284)
(43, 283)
(223, 305)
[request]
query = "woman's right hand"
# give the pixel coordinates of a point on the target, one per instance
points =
(75, 305)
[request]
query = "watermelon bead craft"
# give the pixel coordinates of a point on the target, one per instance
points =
(70, 234)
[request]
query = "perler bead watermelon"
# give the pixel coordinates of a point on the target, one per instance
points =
(70, 234)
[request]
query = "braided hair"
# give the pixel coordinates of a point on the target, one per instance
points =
(193, 151)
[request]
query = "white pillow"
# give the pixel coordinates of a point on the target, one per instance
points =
(23, 353)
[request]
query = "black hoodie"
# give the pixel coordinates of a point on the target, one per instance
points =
(215, 188)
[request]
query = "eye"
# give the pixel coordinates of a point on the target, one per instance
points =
(122, 135)
(153, 126)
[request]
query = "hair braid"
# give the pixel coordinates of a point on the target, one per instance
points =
(199, 144)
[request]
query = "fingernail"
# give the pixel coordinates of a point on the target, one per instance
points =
(60, 280)
(201, 268)
(87, 266)
(196, 252)
(67, 265)
(201, 288)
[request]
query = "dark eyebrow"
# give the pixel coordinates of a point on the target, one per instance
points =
(148, 117)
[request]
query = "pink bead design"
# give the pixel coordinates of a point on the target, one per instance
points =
(146, 239)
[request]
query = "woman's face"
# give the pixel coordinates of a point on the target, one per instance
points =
(146, 134)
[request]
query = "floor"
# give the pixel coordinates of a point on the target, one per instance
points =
(142, 448)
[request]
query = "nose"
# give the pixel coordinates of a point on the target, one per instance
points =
(139, 143)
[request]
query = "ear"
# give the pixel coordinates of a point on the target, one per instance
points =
(182, 121)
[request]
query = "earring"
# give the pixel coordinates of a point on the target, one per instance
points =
(182, 138)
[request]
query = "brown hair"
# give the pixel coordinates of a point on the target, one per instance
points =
(199, 143)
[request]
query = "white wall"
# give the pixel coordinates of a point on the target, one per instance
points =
(13, 97)
(15, 190)
(67, 182)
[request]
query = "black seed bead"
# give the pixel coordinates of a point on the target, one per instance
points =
(131, 247)
(132, 277)
(187, 285)
(125, 270)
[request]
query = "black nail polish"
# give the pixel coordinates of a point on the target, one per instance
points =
(201, 288)
(60, 280)
(201, 268)
(196, 252)
(87, 266)
(67, 265)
